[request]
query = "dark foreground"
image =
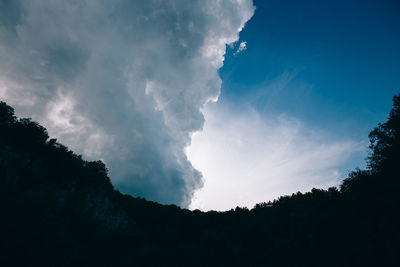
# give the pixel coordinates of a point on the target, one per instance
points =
(60, 210)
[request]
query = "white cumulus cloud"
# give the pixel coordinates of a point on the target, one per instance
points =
(120, 80)
(242, 47)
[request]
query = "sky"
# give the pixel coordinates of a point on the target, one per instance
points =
(300, 92)
(205, 104)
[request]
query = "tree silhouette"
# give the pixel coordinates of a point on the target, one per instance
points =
(6, 115)
(385, 141)
(60, 210)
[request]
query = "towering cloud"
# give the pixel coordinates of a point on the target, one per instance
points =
(120, 80)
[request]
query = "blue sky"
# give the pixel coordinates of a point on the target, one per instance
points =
(314, 78)
(338, 62)
(131, 82)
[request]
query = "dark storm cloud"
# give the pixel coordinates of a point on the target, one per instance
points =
(123, 81)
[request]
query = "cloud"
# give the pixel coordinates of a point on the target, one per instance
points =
(242, 47)
(247, 158)
(120, 80)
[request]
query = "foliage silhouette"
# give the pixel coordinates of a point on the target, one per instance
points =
(60, 210)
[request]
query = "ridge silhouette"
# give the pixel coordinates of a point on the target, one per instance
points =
(58, 209)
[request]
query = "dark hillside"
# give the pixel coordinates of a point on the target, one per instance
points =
(60, 210)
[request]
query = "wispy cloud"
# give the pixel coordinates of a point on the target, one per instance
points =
(247, 158)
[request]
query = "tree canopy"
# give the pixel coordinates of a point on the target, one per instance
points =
(59, 209)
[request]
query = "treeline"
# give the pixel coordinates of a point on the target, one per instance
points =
(60, 210)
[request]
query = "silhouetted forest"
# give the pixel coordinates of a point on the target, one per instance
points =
(60, 210)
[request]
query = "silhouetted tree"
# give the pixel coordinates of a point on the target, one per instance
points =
(6, 115)
(385, 140)
(60, 210)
